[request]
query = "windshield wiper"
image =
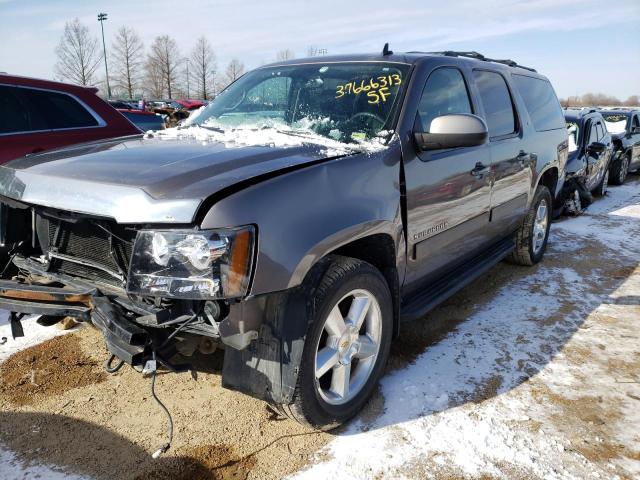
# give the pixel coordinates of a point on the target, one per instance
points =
(213, 129)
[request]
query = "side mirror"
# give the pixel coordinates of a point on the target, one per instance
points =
(596, 147)
(453, 131)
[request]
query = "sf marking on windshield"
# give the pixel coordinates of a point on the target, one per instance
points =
(377, 90)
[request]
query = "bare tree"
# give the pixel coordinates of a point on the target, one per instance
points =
(203, 62)
(78, 54)
(234, 70)
(164, 60)
(285, 54)
(128, 56)
(153, 80)
(632, 101)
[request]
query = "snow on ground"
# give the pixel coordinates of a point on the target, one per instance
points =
(10, 467)
(430, 429)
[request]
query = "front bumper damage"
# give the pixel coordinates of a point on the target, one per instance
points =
(265, 335)
(574, 196)
(130, 337)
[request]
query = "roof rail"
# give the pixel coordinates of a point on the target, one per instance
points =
(479, 56)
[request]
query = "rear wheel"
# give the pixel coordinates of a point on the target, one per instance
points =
(347, 345)
(532, 236)
(619, 170)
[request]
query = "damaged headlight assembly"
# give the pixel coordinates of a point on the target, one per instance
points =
(192, 264)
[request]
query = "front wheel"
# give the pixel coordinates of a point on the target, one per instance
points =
(532, 236)
(347, 345)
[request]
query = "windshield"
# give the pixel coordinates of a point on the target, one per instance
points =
(616, 122)
(346, 102)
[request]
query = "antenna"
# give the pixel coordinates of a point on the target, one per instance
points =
(385, 50)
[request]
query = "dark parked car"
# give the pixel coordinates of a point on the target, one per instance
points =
(144, 120)
(362, 191)
(624, 126)
(38, 115)
(587, 169)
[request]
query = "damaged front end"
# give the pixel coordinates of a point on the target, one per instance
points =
(153, 293)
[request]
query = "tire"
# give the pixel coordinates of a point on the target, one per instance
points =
(603, 186)
(620, 169)
(314, 402)
(528, 251)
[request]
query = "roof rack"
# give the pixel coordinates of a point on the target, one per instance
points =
(479, 56)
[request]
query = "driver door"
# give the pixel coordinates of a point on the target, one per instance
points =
(448, 191)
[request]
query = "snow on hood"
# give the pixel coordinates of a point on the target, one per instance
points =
(281, 136)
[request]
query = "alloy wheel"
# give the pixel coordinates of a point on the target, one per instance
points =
(348, 347)
(540, 226)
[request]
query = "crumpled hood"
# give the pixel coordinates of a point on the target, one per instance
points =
(145, 180)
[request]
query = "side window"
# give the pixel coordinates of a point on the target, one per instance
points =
(541, 102)
(57, 110)
(600, 131)
(636, 122)
(444, 93)
(13, 116)
(593, 134)
(497, 103)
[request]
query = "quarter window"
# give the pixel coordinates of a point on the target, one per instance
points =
(497, 103)
(56, 110)
(444, 93)
(541, 102)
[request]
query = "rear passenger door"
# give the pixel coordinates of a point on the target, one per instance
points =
(447, 190)
(511, 165)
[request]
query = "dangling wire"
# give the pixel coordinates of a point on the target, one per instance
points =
(164, 448)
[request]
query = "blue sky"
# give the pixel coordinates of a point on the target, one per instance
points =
(581, 45)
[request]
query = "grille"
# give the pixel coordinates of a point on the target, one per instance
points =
(84, 240)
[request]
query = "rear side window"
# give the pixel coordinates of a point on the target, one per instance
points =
(497, 103)
(13, 116)
(445, 93)
(57, 110)
(541, 102)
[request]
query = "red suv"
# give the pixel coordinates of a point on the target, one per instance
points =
(37, 115)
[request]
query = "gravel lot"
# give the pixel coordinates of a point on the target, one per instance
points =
(526, 373)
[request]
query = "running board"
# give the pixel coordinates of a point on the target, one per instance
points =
(421, 303)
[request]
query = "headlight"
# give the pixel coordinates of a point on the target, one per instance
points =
(208, 264)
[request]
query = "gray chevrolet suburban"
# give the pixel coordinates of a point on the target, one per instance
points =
(296, 222)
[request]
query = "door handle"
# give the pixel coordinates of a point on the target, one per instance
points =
(480, 170)
(523, 158)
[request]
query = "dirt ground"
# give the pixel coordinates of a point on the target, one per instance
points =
(578, 383)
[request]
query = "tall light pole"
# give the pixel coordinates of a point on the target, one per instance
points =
(101, 18)
(188, 93)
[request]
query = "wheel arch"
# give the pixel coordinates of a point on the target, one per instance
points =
(549, 178)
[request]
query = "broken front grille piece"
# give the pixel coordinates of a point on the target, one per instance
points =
(90, 250)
